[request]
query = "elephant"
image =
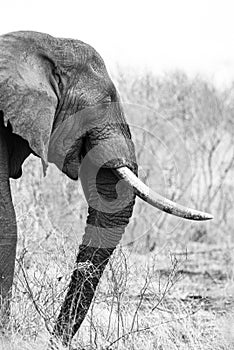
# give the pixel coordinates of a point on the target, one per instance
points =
(58, 102)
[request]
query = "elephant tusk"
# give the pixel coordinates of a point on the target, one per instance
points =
(158, 201)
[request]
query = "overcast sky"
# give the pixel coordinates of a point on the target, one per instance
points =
(196, 36)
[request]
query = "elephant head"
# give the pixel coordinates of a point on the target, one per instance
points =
(58, 102)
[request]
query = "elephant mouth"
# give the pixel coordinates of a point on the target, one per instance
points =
(158, 201)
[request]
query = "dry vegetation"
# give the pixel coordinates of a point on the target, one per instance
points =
(171, 283)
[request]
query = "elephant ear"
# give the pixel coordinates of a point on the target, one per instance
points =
(27, 98)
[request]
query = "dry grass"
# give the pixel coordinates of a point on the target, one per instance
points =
(159, 301)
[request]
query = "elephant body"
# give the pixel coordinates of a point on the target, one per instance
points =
(58, 102)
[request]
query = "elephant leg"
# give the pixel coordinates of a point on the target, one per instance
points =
(8, 234)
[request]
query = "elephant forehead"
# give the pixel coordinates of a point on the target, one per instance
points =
(66, 52)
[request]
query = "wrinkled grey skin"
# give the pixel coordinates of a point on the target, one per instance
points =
(58, 102)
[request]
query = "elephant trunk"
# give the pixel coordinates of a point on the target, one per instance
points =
(91, 262)
(108, 215)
